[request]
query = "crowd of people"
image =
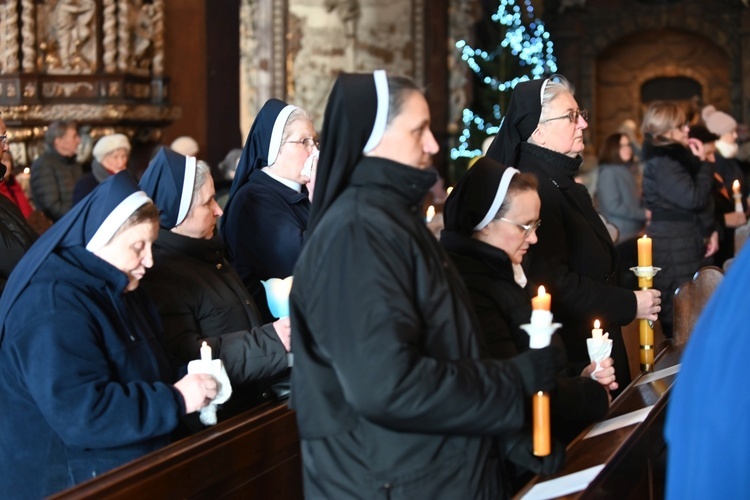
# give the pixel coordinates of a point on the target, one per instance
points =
(411, 374)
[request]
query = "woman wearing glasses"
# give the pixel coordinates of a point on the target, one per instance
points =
(491, 220)
(677, 188)
(265, 216)
(575, 258)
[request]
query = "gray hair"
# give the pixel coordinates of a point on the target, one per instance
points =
(202, 174)
(556, 86)
(399, 87)
(57, 129)
(298, 114)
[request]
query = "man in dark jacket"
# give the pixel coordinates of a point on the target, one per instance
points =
(55, 172)
(392, 394)
(198, 294)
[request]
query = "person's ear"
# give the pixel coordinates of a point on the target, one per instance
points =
(538, 136)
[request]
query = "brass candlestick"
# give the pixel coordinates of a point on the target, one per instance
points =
(645, 276)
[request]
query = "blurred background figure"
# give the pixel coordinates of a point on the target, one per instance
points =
(111, 154)
(185, 145)
(677, 184)
(11, 188)
(227, 169)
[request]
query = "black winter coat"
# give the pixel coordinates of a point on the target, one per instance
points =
(264, 232)
(502, 306)
(392, 397)
(200, 297)
(677, 189)
(575, 259)
(16, 236)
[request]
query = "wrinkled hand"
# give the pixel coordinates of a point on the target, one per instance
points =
(198, 390)
(283, 329)
(735, 219)
(605, 376)
(538, 368)
(648, 304)
(519, 449)
(713, 244)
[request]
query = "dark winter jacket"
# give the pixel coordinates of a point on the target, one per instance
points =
(502, 306)
(200, 297)
(84, 378)
(677, 189)
(575, 259)
(392, 397)
(264, 232)
(16, 236)
(53, 177)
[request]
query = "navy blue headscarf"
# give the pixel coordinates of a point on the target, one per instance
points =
(170, 180)
(354, 122)
(90, 223)
(261, 147)
(521, 119)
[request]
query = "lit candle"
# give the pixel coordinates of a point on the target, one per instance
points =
(737, 196)
(596, 333)
(543, 300)
(449, 190)
(205, 352)
(644, 252)
(430, 214)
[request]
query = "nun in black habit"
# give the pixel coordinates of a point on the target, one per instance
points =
(391, 392)
(575, 258)
(84, 378)
(198, 294)
(265, 216)
(491, 218)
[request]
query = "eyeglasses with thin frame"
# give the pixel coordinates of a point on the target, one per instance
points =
(527, 228)
(307, 142)
(572, 116)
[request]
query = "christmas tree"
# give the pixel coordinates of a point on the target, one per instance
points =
(519, 49)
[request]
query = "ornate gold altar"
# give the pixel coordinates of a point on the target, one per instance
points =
(99, 62)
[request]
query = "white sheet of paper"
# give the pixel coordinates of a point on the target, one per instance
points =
(564, 485)
(660, 374)
(619, 422)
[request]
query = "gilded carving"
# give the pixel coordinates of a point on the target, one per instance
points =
(67, 89)
(29, 90)
(68, 29)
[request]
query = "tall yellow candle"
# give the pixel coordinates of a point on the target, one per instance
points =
(542, 433)
(542, 301)
(644, 252)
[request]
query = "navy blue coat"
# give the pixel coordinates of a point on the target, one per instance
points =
(264, 232)
(84, 379)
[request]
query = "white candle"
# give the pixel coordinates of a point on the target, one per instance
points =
(596, 333)
(430, 214)
(206, 352)
(737, 196)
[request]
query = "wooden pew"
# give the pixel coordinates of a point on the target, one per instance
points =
(251, 456)
(691, 298)
(633, 457)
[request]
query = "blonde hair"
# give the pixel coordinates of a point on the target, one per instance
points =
(660, 118)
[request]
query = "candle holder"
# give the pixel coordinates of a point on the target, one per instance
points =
(737, 202)
(540, 331)
(645, 276)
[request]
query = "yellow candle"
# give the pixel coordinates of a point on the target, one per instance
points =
(206, 352)
(597, 332)
(543, 301)
(541, 428)
(644, 252)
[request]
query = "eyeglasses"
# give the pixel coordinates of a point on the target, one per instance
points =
(572, 116)
(307, 142)
(527, 228)
(4, 139)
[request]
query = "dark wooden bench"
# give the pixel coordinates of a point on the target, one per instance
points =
(251, 456)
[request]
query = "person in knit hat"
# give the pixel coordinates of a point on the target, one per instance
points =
(185, 145)
(727, 166)
(111, 153)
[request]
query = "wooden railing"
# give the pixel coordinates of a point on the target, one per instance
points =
(251, 456)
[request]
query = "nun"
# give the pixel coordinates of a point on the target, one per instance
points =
(84, 379)
(198, 294)
(575, 257)
(392, 395)
(265, 216)
(491, 218)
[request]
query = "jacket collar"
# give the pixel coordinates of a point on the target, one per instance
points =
(206, 250)
(409, 183)
(478, 257)
(560, 168)
(259, 177)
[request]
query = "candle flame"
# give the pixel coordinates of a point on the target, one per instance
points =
(542, 290)
(597, 325)
(736, 186)
(449, 190)
(644, 237)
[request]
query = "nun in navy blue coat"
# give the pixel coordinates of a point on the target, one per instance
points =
(265, 217)
(84, 380)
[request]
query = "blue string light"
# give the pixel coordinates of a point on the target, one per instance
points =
(530, 42)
